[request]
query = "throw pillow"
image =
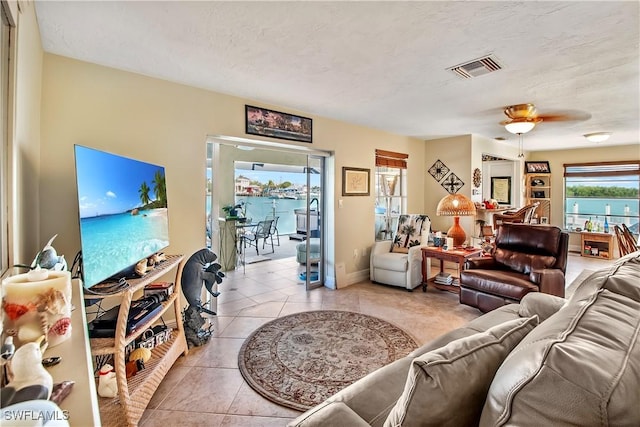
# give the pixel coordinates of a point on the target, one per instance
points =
(410, 231)
(448, 386)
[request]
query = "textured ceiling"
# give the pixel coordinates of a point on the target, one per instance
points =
(380, 64)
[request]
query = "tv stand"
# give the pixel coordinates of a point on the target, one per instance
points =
(134, 393)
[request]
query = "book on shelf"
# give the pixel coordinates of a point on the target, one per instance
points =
(165, 288)
(444, 279)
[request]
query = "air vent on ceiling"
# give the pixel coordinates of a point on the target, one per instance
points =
(477, 67)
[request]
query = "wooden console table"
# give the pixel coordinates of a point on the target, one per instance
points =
(596, 245)
(458, 256)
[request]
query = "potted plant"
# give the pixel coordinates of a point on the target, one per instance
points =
(235, 211)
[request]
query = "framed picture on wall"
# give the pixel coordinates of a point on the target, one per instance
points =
(537, 194)
(355, 181)
(265, 122)
(501, 189)
(537, 167)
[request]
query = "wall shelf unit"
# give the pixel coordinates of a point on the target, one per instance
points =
(538, 189)
(135, 392)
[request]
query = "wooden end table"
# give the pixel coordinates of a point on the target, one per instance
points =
(459, 256)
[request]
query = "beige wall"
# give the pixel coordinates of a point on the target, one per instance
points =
(61, 102)
(461, 154)
(167, 123)
(24, 134)
(558, 158)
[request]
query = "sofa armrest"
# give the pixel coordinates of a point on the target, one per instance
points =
(481, 263)
(549, 281)
(544, 305)
(329, 414)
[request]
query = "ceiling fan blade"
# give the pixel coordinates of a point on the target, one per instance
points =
(565, 116)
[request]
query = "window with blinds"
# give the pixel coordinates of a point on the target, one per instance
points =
(602, 192)
(390, 190)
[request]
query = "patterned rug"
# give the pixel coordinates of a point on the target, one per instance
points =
(301, 359)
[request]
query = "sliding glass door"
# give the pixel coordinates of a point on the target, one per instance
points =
(284, 185)
(314, 243)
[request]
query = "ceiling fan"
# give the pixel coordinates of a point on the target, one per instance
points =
(524, 117)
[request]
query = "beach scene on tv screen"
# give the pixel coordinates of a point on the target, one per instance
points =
(123, 212)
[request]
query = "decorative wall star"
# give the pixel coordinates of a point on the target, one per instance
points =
(452, 183)
(438, 170)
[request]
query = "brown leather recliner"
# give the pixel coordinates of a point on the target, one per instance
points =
(527, 258)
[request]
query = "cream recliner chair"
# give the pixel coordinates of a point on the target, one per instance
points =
(398, 262)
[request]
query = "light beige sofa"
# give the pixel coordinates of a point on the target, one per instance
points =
(579, 366)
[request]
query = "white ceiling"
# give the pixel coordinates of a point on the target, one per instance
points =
(380, 64)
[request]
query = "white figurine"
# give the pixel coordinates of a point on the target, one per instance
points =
(29, 376)
(107, 384)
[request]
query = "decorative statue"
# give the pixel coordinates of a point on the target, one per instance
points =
(200, 268)
(107, 384)
(29, 379)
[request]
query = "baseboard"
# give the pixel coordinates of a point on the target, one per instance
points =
(356, 277)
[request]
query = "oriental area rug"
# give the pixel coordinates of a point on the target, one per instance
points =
(300, 360)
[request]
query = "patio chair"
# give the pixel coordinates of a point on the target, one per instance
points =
(274, 229)
(262, 231)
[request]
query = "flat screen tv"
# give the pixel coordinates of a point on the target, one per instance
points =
(123, 213)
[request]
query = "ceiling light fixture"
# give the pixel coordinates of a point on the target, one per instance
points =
(520, 126)
(597, 136)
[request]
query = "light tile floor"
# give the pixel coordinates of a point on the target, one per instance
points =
(206, 388)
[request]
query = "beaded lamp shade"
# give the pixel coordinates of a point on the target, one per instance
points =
(456, 205)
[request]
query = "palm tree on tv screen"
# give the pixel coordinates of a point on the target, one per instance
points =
(144, 193)
(160, 188)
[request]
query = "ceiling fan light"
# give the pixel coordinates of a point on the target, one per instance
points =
(597, 136)
(519, 127)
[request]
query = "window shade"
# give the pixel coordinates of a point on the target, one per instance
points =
(601, 169)
(391, 159)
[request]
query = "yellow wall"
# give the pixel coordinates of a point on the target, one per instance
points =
(558, 158)
(24, 134)
(461, 154)
(167, 123)
(61, 102)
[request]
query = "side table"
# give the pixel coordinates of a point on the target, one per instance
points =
(459, 256)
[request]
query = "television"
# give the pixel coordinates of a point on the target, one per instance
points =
(122, 205)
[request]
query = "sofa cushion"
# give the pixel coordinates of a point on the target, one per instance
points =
(411, 229)
(582, 365)
(447, 386)
(525, 249)
(329, 413)
(392, 261)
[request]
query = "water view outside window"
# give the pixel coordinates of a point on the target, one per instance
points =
(602, 192)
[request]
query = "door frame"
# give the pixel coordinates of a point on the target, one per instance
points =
(327, 272)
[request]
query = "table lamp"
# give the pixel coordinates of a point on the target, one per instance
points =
(456, 205)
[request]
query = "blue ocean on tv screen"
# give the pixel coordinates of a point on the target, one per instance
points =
(114, 242)
(123, 212)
